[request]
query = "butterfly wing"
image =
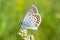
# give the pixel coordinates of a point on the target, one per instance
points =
(32, 19)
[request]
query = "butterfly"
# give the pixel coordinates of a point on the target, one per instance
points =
(32, 19)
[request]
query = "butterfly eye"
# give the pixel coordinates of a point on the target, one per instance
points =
(21, 22)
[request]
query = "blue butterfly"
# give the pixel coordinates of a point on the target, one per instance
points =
(32, 19)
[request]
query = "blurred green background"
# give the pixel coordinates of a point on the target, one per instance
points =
(12, 13)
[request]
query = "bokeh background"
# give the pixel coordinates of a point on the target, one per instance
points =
(12, 13)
